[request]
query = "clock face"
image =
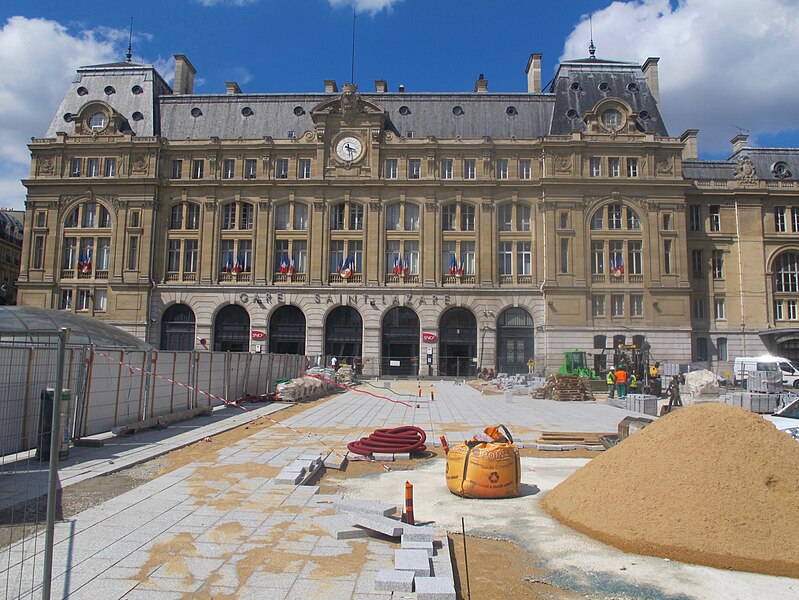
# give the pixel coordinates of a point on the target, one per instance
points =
(349, 148)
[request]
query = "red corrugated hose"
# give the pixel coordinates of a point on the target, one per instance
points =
(399, 439)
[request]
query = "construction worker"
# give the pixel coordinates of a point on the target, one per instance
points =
(530, 365)
(621, 382)
(633, 383)
(611, 380)
(654, 371)
(654, 379)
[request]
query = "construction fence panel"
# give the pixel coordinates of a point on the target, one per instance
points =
(167, 397)
(212, 377)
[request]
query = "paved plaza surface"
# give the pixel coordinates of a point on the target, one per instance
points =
(223, 528)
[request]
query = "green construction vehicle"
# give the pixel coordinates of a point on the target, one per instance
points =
(574, 363)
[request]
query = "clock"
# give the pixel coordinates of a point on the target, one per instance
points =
(349, 148)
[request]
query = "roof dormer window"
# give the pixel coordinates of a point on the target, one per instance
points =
(98, 121)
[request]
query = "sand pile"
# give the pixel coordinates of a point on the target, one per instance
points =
(710, 484)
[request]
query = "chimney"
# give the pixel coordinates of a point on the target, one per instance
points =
(330, 86)
(401, 88)
(184, 75)
(381, 86)
(533, 71)
(231, 87)
(481, 85)
(650, 69)
(739, 142)
(690, 149)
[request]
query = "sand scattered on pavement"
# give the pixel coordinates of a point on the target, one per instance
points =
(709, 484)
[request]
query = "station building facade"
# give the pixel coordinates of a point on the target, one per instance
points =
(428, 233)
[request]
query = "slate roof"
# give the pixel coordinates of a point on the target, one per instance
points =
(763, 159)
(707, 169)
(424, 114)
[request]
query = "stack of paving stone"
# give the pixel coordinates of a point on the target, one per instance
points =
(564, 388)
(305, 389)
(307, 466)
(422, 562)
(345, 374)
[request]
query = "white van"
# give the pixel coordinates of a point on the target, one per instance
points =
(748, 364)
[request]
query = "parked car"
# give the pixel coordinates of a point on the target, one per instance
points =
(787, 418)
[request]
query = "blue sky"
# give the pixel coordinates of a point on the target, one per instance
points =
(724, 63)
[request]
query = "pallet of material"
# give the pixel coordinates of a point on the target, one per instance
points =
(564, 388)
(559, 437)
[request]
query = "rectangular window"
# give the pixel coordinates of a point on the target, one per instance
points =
(244, 256)
(617, 305)
(791, 305)
(525, 169)
(89, 215)
(701, 349)
(614, 170)
(337, 217)
(715, 218)
(409, 134)
(226, 256)
(411, 217)
(697, 263)
(635, 261)
(597, 257)
(177, 169)
(523, 217)
(636, 305)
(41, 219)
(282, 259)
(467, 217)
(699, 308)
(282, 217)
(173, 256)
(190, 256)
(506, 258)
(393, 217)
(598, 305)
(228, 168)
(616, 257)
(633, 222)
(133, 253)
(110, 167)
(564, 255)
(446, 168)
(246, 215)
(304, 168)
(564, 220)
(192, 216)
(197, 169)
(632, 167)
(596, 167)
(301, 217)
(356, 254)
(393, 264)
(282, 168)
(695, 221)
(356, 217)
(411, 258)
(524, 258)
(721, 345)
(467, 258)
(448, 217)
(778, 310)
(100, 300)
(299, 254)
(336, 256)
(717, 264)
(229, 216)
(38, 252)
(84, 300)
(414, 168)
(614, 216)
(505, 217)
(502, 168)
(795, 219)
(667, 257)
(391, 168)
(74, 168)
(779, 219)
(718, 309)
(449, 261)
(66, 299)
(667, 222)
(103, 254)
(469, 169)
(250, 168)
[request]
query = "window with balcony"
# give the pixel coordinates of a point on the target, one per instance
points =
(402, 257)
(506, 258)
(635, 260)
(597, 257)
(524, 258)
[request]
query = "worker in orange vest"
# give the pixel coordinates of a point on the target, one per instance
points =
(621, 382)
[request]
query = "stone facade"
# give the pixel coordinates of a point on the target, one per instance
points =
(555, 219)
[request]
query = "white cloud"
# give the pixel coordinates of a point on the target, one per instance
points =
(370, 6)
(39, 61)
(723, 63)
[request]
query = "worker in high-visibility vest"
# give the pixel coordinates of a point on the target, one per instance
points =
(621, 382)
(611, 380)
(633, 383)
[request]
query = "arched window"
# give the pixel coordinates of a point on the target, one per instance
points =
(177, 328)
(616, 245)
(402, 254)
(786, 272)
(86, 250)
(291, 242)
(183, 242)
(236, 245)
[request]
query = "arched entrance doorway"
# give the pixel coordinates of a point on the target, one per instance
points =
(177, 328)
(457, 345)
(232, 330)
(515, 341)
(287, 331)
(344, 334)
(400, 347)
